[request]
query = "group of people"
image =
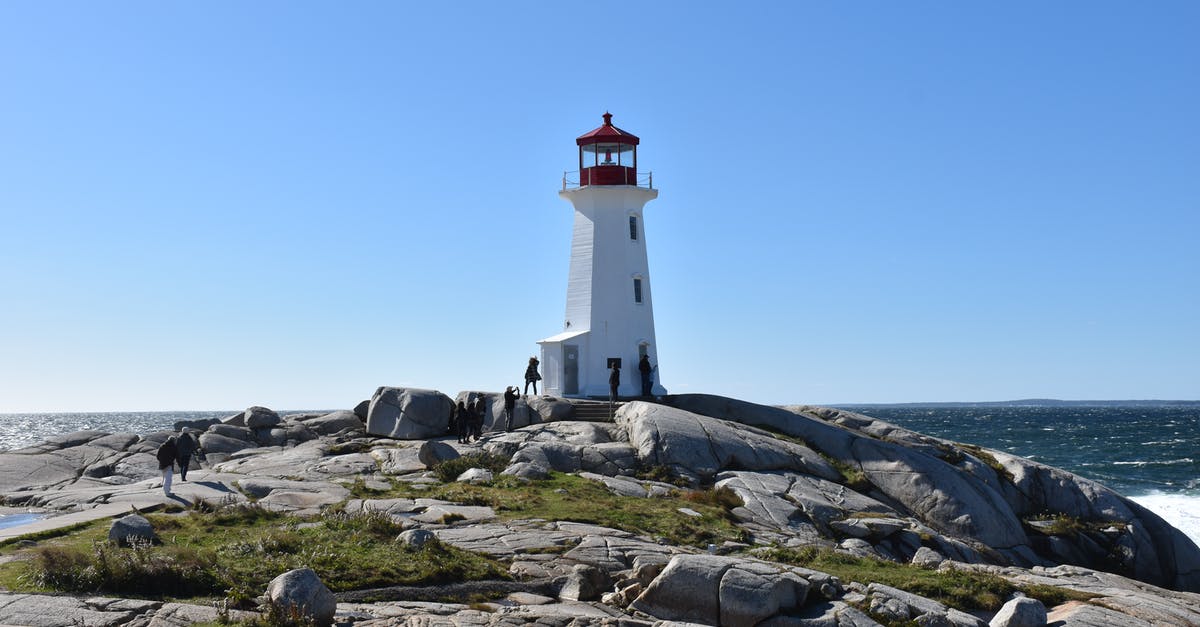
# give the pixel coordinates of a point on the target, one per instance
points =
(466, 419)
(614, 377)
(179, 450)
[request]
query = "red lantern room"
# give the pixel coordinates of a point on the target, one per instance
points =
(607, 156)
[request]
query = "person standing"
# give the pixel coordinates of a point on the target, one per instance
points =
(510, 404)
(166, 462)
(645, 368)
(477, 417)
(184, 447)
(464, 422)
(614, 381)
(532, 376)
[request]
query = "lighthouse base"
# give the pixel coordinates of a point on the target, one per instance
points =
(574, 367)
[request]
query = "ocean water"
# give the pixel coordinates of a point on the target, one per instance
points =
(21, 430)
(1148, 453)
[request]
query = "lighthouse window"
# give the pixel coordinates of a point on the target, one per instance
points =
(633, 227)
(637, 291)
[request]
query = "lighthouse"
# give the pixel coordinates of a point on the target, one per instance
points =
(609, 315)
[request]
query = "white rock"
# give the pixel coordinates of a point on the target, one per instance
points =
(302, 591)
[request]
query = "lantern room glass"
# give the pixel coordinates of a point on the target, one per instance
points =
(591, 155)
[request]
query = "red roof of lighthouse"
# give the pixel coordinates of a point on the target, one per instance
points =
(607, 133)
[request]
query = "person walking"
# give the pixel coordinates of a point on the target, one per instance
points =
(645, 368)
(532, 376)
(184, 447)
(166, 462)
(510, 404)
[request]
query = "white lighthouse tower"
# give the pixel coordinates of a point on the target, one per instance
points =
(609, 311)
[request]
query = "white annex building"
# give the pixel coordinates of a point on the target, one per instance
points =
(609, 312)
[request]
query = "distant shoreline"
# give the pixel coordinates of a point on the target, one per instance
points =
(1031, 402)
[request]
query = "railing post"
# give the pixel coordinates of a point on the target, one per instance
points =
(564, 180)
(651, 174)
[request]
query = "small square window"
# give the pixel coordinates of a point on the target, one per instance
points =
(637, 290)
(633, 227)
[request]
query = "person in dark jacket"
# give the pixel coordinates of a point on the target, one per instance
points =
(614, 382)
(531, 375)
(464, 422)
(166, 462)
(477, 416)
(510, 404)
(184, 447)
(645, 368)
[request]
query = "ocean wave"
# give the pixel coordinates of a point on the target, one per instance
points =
(1181, 510)
(1157, 462)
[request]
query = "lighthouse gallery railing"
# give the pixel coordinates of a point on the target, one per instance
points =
(570, 180)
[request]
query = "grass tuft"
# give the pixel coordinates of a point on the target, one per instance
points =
(450, 469)
(959, 589)
(722, 497)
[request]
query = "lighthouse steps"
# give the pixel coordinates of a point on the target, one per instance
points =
(595, 411)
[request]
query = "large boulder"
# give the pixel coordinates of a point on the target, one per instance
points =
(261, 418)
(408, 413)
(329, 424)
(699, 447)
(608, 458)
(302, 592)
(215, 443)
(1020, 612)
(584, 583)
(200, 424)
(717, 590)
(550, 408)
(434, 452)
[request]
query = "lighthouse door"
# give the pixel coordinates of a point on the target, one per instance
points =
(570, 369)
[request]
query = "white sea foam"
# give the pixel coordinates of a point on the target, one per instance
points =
(1181, 510)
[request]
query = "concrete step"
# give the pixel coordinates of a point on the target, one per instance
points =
(595, 411)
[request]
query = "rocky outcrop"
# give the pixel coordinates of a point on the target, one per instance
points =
(699, 447)
(976, 501)
(804, 477)
(715, 590)
(408, 413)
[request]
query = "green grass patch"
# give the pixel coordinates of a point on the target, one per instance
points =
(661, 474)
(990, 461)
(450, 469)
(572, 498)
(958, 589)
(236, 550)
(1058, 524)
(852, 476)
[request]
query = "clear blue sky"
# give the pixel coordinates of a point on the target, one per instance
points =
(217, 205)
